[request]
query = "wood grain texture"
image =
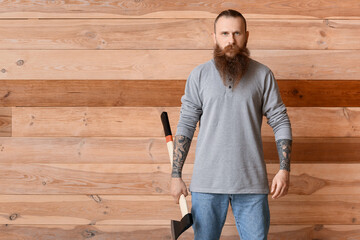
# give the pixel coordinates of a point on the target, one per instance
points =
(163, 232)
(142, 150)
(145, 122)
(127, 34)
(153, 179)
(150, 64)
(160, 93)
(98, 210)
(181, 9)
(5, 122)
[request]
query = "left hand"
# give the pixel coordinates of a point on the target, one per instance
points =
(280, 184)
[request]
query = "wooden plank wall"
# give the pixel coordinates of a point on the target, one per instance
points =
(82, 86)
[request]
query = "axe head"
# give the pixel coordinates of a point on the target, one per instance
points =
(177, 228)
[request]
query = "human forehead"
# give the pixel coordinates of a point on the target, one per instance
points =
(228, 24)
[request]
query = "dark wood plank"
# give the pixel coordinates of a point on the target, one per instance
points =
(5, 121)
(174, 33)
(160, 93)
(105, 150)
(154, 179)
(188, 8)
(318, 93)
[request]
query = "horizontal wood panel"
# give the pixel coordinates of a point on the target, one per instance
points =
(306, 179)
(111, 150)
(5, 122)
(160, 34)
(163, 232)
(150, 64)
(188, 8)
(145, 122)
(160, 93)
(158, 210)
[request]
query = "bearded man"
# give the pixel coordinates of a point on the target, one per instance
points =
(229, 95)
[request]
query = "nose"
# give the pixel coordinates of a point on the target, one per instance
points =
(231, 39)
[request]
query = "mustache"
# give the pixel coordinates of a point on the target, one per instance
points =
(218, 52)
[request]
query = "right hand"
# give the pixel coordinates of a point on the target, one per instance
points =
(178, 187)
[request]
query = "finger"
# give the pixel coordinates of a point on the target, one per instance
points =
(282, 192)
(277, 191)
(273, 187)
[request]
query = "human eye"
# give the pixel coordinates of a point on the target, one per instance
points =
(225, 33)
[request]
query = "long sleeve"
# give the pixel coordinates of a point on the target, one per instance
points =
(274, 109)
(191, 107)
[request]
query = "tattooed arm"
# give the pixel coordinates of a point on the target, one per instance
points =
(281, 181)
(284, 151)
(181, 149)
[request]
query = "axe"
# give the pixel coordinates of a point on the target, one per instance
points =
(177, 227)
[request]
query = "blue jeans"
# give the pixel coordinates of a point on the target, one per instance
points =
(251, 212)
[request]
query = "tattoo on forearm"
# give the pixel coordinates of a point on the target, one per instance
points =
(181, 149)
(284, 151)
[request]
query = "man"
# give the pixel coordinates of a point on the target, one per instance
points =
(229, 95)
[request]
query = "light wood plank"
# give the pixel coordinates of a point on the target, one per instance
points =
(194, 33)
(145, 122)
(181, 9)
(141, 150)
(158, 210)
(5, 122)
(306, 179)
(160, 93)
(141, 232)
(150, 64)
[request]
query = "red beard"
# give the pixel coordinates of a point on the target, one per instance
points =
(231, 67)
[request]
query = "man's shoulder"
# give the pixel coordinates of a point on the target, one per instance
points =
(206, 66)
(258, 67)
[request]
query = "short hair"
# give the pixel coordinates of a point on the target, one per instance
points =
(229, 13)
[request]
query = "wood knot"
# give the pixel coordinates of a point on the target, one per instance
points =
(295, 91)
(88, 233)
(13, 216)
(318, 227)
(20, 62)
(96, 198)
(322, 33)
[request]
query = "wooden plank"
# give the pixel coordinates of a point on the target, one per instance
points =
(306, 179)
(5, 122)
(160, 93)
(130, 210)
(189, 8)
(128, 34)
(145, 122)
(112, 150)
(163, 232)
(320, 93)
(150, 64)
(92, 93)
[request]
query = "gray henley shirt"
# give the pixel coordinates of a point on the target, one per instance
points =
(229, 153)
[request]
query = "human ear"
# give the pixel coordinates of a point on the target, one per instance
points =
(214, 38)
